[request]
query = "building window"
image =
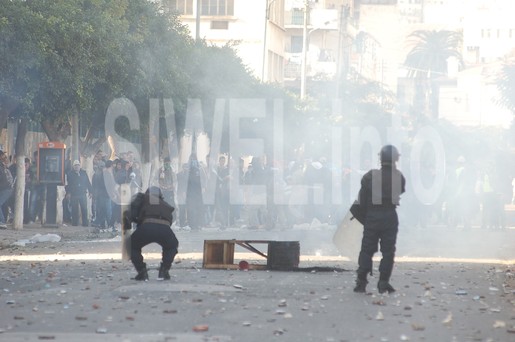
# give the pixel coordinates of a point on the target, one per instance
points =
(296, 44)
(217, 7)
(182, 7)
(219, 25)
(297, 16)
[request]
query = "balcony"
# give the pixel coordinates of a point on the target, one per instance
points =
(318, 18)
(316, 66)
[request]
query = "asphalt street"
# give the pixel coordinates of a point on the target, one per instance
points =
(452, 285)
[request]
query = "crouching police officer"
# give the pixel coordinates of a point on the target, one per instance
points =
(153, 216)
(380, 194)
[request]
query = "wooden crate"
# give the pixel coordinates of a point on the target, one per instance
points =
(219, 254)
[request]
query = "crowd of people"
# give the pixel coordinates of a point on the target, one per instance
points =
(275, 194)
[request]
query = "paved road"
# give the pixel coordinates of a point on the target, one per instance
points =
(92, 298)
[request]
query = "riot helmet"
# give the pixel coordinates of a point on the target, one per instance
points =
(154, 191)
(389, 154)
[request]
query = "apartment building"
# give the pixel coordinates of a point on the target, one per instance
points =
(466, 97)
(366, 37)
(257, 26)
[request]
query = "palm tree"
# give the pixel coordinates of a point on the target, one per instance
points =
(506, 85)
(427, 61)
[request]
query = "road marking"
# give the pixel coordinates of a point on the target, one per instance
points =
(238, 256)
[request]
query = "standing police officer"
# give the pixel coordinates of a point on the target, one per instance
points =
(153, 216)
(380, 194)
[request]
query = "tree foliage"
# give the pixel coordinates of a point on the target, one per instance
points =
(506, 85)
(427, 61)
(430, 51)
(62, 57)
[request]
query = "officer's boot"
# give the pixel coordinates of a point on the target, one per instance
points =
(361, 282)
(142, 273)
(383, 285)
(163, 272)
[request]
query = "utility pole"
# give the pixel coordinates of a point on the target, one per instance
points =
(197, 22)
(304, 51)
(268, 4)
(341, 67)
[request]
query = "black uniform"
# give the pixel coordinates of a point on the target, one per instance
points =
(154, 217)
(379, 194)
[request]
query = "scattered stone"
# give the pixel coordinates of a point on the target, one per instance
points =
(278, 332)
(499, 324)
(417, 327)
(200, 328)
(448, 319)
(46, 337)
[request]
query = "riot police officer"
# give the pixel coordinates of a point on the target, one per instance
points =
(153, 216)
(380, 194)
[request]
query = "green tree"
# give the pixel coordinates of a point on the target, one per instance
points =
(506, 85)
(427, 61)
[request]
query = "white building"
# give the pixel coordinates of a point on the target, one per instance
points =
(469, 96)
(368, 37)
(255, 25)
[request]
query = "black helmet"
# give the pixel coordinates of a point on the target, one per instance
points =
(154, 191)
(389, 153)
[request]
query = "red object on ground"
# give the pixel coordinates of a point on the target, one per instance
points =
(244, 266)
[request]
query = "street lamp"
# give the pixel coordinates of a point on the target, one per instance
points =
(305, 47)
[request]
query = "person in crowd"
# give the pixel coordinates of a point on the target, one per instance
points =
(100, 195)
(208, 174)
(112, 191)
(166, 181)
(257, 176)
(153, 216)
(236, 178)
(78, 187)
(37, 192)
(378, 197)
(136, 179)
(29, 179)
(182, 186)
(121, 178)
(222, 193)
(464, 202)
(194, 199)
(6, 186)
